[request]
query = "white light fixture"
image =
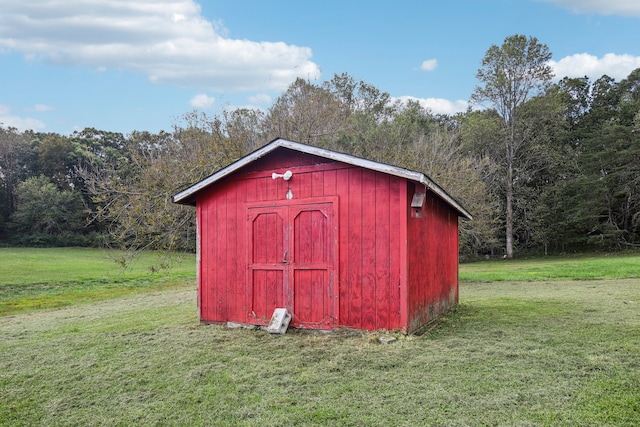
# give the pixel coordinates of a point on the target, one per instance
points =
(286, 176)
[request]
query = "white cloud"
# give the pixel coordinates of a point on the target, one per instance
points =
(602, 7)
(8, 120)
(584, 64)
(202, 101)
(169, 41)
(41, 108)
(260, 98)
(437, 105)
(429, 65)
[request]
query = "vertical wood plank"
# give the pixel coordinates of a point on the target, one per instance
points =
(354, 247)
(368, 254)
(242, 254)
(454, 246)
(208, 258)
(318, 296)
(221, 264)
(303, 296)
(382, 255)
(261, 189)
(274, 189)
(317, 184)
(403, 203)
(329, 182)
(199, 260)
(259, 285)
(303, 181)
(344, 266)
(395, 213)
(235, 226)
(204, 260)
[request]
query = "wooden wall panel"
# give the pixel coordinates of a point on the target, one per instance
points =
(310, 301)
(382, 235)
(303, 183)
(397, 247)
(221, 258)
(317, 184)
(432, 281)
(353, 192)
(238, 273)
(344, 255)
(368, 250)
(267, 294)
(329, 183)
(370, 244)
(370, 216)
(208, 275)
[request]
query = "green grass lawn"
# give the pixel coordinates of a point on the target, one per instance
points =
(579, 267)
(33, 279)
(515, 352)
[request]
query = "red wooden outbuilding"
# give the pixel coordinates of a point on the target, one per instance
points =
(338, 240)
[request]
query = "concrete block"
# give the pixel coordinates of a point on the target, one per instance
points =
(279, 321)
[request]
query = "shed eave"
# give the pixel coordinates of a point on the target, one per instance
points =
(432, 186)
(187, 196)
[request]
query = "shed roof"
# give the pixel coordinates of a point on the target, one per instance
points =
(187, 196)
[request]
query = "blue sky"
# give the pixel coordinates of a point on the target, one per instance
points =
(124, 65)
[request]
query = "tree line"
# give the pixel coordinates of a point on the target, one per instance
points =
(542, 166)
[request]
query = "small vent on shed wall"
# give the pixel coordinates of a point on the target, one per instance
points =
(416, 204)
(418, 200)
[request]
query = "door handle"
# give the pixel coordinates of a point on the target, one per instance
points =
(285, 257)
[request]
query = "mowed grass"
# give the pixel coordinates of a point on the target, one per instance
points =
(577, 267)
(32, 279)
(554, 352)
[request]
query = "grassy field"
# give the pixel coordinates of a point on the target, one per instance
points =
(577, 267)
(516, 351)
(33, 279)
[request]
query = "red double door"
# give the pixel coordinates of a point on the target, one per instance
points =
(292, 263)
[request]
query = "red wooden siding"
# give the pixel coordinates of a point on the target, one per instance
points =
(266, 286)
(345, 250)
(242, 282)
(433, 260)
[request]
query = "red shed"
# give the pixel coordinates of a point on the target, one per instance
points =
(338, 240)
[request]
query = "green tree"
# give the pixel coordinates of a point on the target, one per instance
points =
(306, 113)
(57, 161)
(575, 95)
(410, 136)
(510, 75)
(427, 145)
(356, 118)
(18, 161)
(607, 191)
(543, 162)
(133, 195)
(44, 210)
